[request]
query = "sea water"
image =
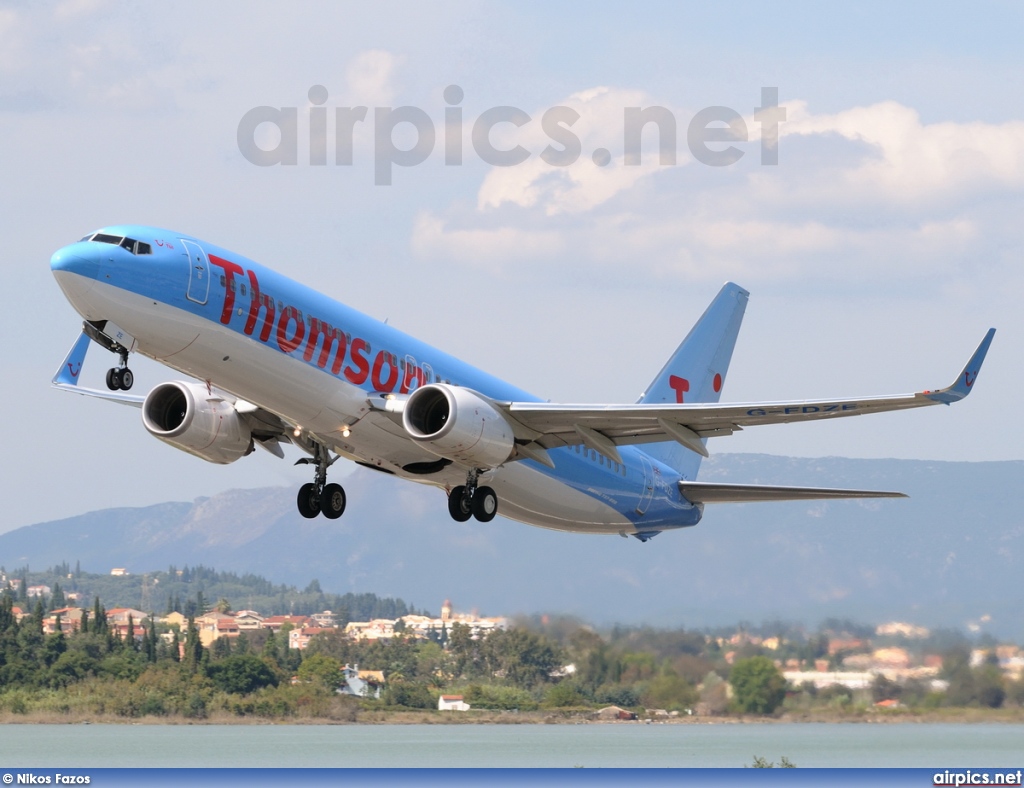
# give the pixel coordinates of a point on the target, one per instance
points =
(930, 746)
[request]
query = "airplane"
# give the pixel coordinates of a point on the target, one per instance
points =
(274, 362)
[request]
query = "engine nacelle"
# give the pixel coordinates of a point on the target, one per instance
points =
(190, 418)
(458, 424)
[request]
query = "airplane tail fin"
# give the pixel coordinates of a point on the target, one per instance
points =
(696, 371)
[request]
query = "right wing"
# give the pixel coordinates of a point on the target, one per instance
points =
(540, 425)
(268, 430)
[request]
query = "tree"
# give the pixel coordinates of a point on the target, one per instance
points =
(410, 694)
(321, 669)
(670, 691)
(57, 601)
(524, 658)
(193, 647)
(565, 694)
(242, 674)
(757, 684)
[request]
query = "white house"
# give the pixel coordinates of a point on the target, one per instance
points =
(452, 703)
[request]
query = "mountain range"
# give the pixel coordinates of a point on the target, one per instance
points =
(951, 555)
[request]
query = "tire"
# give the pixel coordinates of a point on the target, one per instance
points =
(112, 379)
(127, 379)
(457, 505)
(332, 501)
(485, 504)
(308, 501)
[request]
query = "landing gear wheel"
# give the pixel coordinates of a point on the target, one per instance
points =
(127, 379)
(309, 501)
(112, 382)
(332, 501)
(458, 506)
(485, 504)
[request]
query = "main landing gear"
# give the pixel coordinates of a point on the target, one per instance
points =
(472, 501)
(318, 497)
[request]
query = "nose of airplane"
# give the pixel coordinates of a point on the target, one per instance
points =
(75, 259)
(76, 269)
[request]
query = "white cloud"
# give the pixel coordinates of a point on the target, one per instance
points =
(582, 185)
(75, 9)
(369, 78)
(903, 201)
(11, 40)
(913, 160)
(487, 248)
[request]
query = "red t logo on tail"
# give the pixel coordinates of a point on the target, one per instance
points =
(679, 386)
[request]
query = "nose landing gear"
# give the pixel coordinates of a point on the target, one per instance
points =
(120, 377)
(472, 501)
(318, 497)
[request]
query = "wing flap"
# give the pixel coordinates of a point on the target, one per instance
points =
(709, 492)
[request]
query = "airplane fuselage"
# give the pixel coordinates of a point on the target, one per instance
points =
(316, 364)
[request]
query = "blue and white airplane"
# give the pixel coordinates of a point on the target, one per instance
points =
(274, 362)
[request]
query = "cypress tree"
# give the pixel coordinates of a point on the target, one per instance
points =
(131, 643)
(57, 601)
(7, 620)
(151, 640)
(99, 618)
(193, 646)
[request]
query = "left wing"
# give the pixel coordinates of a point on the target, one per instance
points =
(603, 427)
(66, 378)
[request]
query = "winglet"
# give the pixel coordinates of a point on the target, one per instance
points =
(71, 368)
(67, 377)
(963, 384)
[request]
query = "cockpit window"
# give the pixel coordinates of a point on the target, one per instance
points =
(133, 246)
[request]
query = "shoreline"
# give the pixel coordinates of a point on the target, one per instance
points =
(1011, 716)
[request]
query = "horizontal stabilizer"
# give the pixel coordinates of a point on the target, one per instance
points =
(708, 492)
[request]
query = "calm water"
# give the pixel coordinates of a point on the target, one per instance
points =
(624, 745)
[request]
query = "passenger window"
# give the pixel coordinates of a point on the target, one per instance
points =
(223, 281)
(243, 289)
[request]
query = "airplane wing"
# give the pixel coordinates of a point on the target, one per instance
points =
(66, 378)
(603, 427)
(267, 429)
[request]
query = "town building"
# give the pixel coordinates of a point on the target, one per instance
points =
(452, 703)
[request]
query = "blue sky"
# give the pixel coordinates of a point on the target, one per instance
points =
(878, 251)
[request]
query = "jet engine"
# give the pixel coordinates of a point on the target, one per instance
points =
(192, 418)
(458, 424)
